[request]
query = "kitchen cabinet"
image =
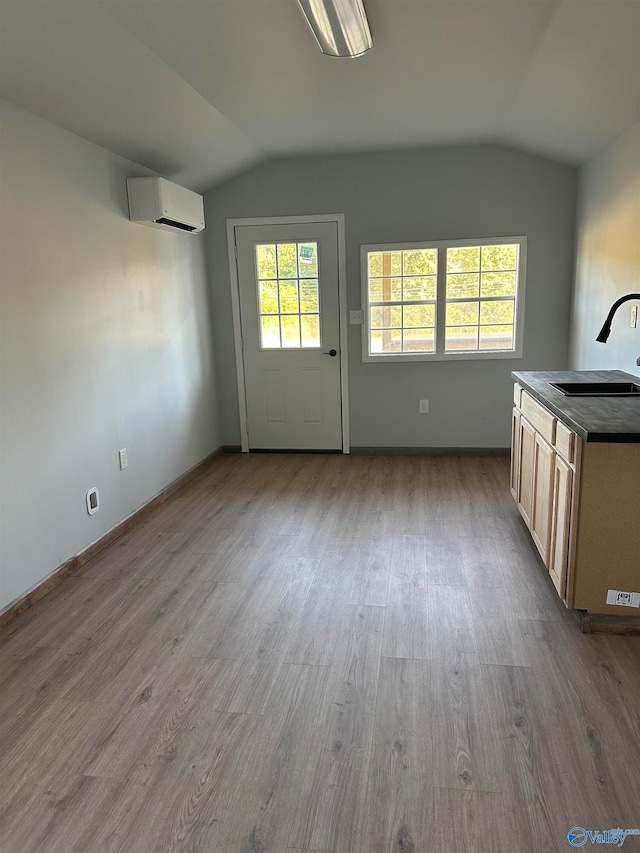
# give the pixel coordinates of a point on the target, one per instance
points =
(542, 481)
(580, 498)
(560, 524)
(543, 499)
(526, 453)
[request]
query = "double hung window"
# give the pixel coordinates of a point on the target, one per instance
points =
(443, 300)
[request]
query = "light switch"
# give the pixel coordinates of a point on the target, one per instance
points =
(356, 318)
(634, 316)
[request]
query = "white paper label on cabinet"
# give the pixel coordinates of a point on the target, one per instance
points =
(624, 599)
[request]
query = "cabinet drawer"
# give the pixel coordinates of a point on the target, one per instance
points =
(565, 442)
(517, 392)
(540, 418)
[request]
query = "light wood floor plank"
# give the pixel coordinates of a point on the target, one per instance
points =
(462, 725)
(444, 562)
(59, 813)
(316, 633)
(397, 810)
(543, 777)
(406, 631)
(260, 817)
(408, 576)
(335, 779)
(594, 722)
(179, 804)
(451, 626)
(466, 821)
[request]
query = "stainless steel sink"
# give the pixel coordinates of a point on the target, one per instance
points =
(597, 389)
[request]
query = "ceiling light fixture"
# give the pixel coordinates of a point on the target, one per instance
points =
(339, 26)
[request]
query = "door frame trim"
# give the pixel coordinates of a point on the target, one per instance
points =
(232, 224)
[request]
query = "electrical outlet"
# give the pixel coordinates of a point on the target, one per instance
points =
(122, 456)
(424, 407)
(634, 316)
(93, 501)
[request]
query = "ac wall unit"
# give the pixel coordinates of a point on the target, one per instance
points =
(162, 204)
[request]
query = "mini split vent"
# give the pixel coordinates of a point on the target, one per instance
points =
(175, 224)
(161, 204)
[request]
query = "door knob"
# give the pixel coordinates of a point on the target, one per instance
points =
(332, 353)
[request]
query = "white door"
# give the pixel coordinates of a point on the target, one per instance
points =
(289, 314)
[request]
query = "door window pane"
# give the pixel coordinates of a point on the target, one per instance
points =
(266, 261)
(268, 297)
(309, 297)
(288, 295)
(270, 332)
(290, 329)
(308, 260)
(310, 324)
(287, 260)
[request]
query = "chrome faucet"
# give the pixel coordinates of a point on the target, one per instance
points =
(605, 331)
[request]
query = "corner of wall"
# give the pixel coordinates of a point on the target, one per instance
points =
(607, 256)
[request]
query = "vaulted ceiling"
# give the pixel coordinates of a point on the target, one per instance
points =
(200, 89)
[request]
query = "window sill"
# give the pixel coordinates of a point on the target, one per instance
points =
(462, 356)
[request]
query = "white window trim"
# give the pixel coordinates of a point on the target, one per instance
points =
(441, 245)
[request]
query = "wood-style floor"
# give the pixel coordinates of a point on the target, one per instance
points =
(321, 653)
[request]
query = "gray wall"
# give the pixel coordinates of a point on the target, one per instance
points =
(608, 256)
(106, 343)
(448, 193)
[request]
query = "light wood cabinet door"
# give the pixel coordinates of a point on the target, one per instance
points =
(559, 548)
(526, 455)
(545, 472)
(541, 515)
(515, 444)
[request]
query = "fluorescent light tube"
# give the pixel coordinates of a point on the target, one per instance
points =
(339, 26)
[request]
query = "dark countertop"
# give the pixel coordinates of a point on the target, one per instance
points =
(606, 419)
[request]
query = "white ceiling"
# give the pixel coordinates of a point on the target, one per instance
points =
(200, 89)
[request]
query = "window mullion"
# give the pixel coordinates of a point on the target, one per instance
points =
(441, 303)
(408, 303)
(481, 299)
